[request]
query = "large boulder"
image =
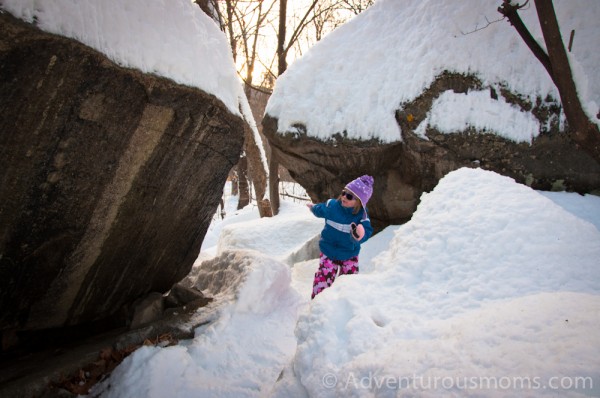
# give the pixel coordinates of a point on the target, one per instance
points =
(403, 170)
(109, 179)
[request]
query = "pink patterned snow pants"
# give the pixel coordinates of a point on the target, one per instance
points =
(328, 270)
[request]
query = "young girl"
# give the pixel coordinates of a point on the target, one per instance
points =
(347, 225)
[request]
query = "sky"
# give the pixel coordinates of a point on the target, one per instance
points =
(267, 39)
(491, 289)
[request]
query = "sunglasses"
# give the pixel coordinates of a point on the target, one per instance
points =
(348, 196)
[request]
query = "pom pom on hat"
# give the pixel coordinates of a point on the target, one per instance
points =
(362, 187)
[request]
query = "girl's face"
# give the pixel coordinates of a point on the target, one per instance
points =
(348, 199)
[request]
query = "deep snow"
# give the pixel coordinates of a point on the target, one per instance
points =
(492, 289)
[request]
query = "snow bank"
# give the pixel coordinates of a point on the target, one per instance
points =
(297, 226)
(474, 285)
(490, 290)
(241, 354)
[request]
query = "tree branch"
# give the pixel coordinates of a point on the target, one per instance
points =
(483, 27)
(510, 11)
(300, 26)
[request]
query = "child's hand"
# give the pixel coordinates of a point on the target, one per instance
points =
(310, 206)
(358, 231)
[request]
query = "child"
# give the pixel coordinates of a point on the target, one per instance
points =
(347, 225)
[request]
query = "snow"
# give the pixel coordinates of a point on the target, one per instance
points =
(239, 353)
(492, 289)
(173, 39)
(452, 112)
(355, 79)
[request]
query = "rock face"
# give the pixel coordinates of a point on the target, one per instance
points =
(404, 170)
(109, 179)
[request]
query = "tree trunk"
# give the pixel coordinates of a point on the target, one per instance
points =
(584, 132)
(281, 67)
(281, 53)
(243, 186)
(510, 11)
(233, 175)
(257, 170)
(274, 184)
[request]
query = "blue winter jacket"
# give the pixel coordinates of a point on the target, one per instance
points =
(337, 241)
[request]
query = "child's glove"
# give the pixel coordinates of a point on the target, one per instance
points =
(358, 231)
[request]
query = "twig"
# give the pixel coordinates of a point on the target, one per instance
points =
(504, 10)
(295, 197)
(483, 27)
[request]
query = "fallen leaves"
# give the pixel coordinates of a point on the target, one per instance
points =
(108, 359)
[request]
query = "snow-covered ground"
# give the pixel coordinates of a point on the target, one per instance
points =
(492, 289)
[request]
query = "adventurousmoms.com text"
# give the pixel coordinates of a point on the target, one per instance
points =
(373, 381)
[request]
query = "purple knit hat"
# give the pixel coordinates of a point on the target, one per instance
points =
(362, 187)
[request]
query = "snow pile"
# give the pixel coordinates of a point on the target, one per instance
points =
(240, 354)
(488, 279)
(355, 79)
(173, 39)
(492, 289)
(255, 235)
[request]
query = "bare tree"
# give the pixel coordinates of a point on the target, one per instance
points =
(245, 22)
(356, 6)
(317, 14)
(583, 131)
(242, 22)
(253, 143)
(282, 51)
(242, 181)
(329, 14)
(325, 16)
(281, 67)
